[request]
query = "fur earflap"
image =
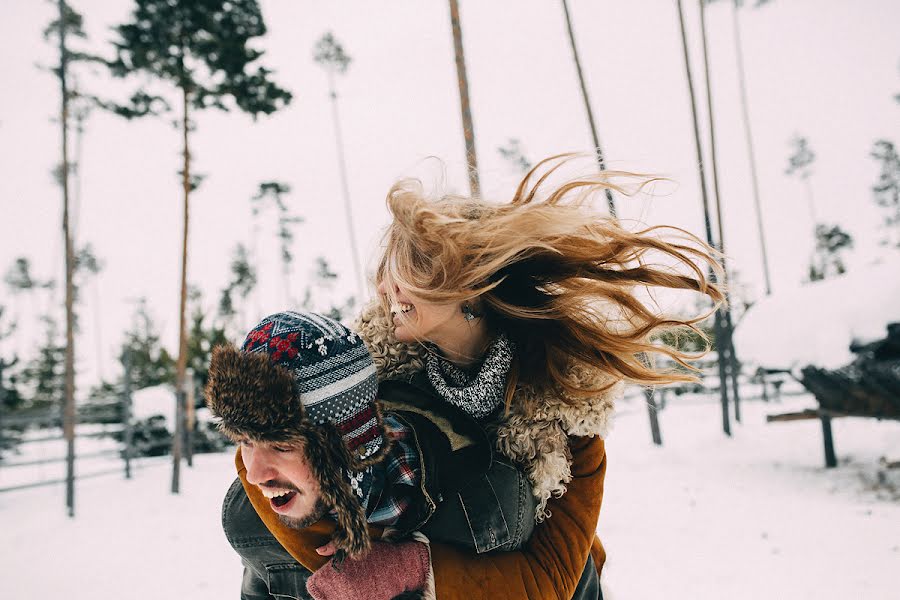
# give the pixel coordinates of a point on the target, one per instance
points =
(252, 397)
(328, 458)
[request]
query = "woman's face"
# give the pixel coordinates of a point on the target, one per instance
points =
(416, 320)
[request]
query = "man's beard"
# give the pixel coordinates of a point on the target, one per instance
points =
(318, 511)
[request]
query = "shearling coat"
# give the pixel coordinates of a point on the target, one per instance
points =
(561, 448)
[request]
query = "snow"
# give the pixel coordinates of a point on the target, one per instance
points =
(815, 323)
(704, 516)
(155, 400)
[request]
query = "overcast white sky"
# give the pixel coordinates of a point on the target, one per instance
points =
(826, 69)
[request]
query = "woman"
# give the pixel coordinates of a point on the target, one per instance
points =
(528, 315)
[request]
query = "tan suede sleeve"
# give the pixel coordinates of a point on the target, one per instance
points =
(548, 566)
(551, 563)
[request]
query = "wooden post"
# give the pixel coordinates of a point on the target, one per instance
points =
(177, 436)
(765, 385)
(654, 420)
(127, 419)
(189, 418)
(830, 458)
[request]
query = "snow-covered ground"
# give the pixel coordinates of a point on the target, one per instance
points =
(704, 516)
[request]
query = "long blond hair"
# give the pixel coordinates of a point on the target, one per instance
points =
(556, 276)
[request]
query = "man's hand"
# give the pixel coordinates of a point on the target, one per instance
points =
(326, 550)
(387, 571)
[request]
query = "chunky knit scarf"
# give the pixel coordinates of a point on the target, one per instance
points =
(481, 393)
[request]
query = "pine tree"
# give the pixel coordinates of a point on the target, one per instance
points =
(748, 135)
(330, 54)
(273, 192)
(828, 261)
(243, 281)
(887, 190)
(205, 50)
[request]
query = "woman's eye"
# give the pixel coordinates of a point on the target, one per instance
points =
(281, 449)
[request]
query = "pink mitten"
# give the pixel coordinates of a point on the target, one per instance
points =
(388, 570)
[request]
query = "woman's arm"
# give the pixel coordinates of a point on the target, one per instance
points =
(551, 563)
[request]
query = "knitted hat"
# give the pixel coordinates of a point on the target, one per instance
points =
(302, 378)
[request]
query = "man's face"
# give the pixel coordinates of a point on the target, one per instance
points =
(284, 476)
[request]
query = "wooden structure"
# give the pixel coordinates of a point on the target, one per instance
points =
(867, 387)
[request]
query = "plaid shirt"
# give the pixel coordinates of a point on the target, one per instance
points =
(392, 482)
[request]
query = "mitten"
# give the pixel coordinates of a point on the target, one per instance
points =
(387, 571)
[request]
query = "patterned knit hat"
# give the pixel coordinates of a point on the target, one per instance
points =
(302, 378)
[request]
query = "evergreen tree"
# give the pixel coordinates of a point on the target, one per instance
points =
(748, 136)
(44, 376)
(273, 192)
(10, 397)
(330, 54)
(203, 338)
(151, 364)
(243, 281)
(828, 261)
(800, 165)
(887, 190)
(205, 50)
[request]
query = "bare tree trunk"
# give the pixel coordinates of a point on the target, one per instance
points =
(717, 326)
(69, 400)
(726, 345)
(587, 106)
(468, 127)
(345, 188)
(181, 365)
(751, 155)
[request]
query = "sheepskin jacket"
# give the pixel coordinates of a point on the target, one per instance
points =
(534, 432)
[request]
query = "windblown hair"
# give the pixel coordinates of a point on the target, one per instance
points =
(560, 279)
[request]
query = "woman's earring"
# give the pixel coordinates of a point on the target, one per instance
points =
(468, 315)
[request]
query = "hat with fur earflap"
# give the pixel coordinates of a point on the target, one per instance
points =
(305, 379)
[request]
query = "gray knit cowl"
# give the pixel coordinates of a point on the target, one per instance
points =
(480, 393)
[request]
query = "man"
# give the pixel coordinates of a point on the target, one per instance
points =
(299, 398)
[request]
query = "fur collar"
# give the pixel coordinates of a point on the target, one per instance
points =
(534, 433)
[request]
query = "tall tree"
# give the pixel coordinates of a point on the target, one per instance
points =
(601, 163)
(727, 343)
(330, 54)
(718, 325)
(273, 192)
(206, 50)
(887, 189)
(800, 164)
(462, 78)
(748, 134)
(67, 23)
